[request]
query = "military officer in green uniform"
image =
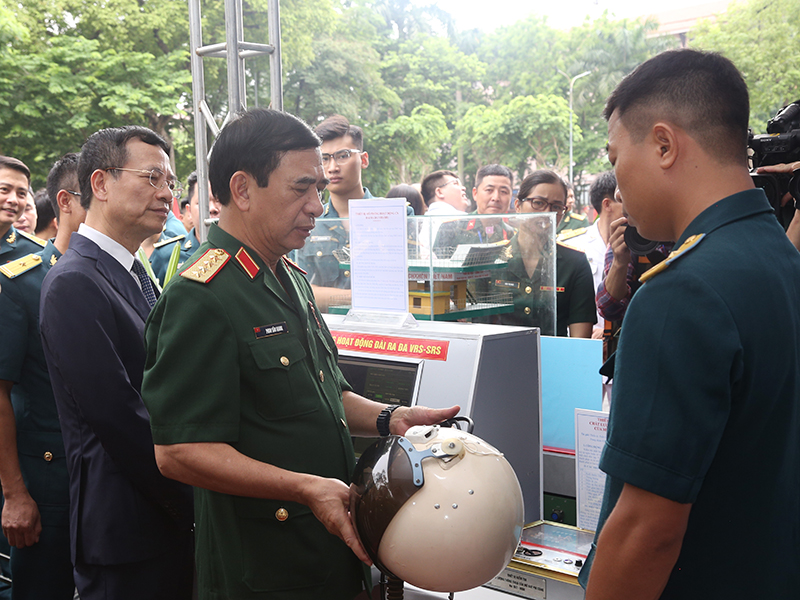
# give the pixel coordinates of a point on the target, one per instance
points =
(259, 417)
(33, 469)
(527, 255)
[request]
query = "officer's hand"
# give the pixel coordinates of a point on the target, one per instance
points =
(405, 417)
(329, 500)
(616, 238)
(21, 521)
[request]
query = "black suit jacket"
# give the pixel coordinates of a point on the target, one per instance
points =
(92, 324)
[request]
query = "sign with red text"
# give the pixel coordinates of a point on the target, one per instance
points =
(388, 345)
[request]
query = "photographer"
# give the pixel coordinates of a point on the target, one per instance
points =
(793, 231)
(622, 270)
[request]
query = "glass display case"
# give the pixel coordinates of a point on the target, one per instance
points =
(482, 268)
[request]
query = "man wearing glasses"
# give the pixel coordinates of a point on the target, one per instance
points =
(343, 159)
(130, 527)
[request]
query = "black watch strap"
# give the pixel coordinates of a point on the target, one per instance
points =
(383, 419)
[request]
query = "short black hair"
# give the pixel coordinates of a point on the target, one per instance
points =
(107, 149)
(44, 210)
(538, 177)
(64, 172)
(602, 187)
(9, 162)
(701, 92)
(432, 182)
(255, 141)
(494, 169)
(338, 126)
(408, 192)
(191, 188)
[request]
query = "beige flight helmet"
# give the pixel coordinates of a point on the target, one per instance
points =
(438, 508)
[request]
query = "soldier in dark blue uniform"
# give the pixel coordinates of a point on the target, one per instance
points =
(14, 183)
(705, 416)
(33, 467)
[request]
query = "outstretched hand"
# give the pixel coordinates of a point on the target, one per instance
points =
(406, 417)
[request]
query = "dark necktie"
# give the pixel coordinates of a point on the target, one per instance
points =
(147, 285)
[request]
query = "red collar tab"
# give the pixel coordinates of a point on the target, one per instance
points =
(293, 264)
(247, 263)
(471, 225)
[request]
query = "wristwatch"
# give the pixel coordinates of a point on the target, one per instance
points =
(383, 419)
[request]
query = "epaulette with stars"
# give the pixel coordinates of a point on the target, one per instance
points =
(15, 268)
(207, 266)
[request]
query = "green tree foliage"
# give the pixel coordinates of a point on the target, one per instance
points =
(527, 132)
(426, 95)
(761, 38)
(405, 149)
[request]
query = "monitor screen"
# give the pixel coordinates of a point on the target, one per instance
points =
(391, 382)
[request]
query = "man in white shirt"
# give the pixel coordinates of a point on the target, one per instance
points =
(444, 195)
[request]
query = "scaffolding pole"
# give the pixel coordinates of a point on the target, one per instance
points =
(235, 50)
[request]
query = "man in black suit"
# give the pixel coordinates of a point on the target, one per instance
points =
(130, 527)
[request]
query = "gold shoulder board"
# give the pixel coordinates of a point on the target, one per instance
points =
(571, 233)
(690, 243)
(15, 268)
(162, 243)
(33, 238)
(207, 266)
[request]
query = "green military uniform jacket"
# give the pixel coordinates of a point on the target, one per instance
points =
(533, 296)
(262, 376)
(39, 444)
(483, 229)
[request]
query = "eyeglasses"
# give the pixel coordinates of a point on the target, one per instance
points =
(78, 194)
(157, 179)
(340, 156)
(456, 181)
(540, 204)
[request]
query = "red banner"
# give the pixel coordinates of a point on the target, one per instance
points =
(391, 346)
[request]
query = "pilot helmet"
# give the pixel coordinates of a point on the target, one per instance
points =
(438, 508)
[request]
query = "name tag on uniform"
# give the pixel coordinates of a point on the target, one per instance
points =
(270, 330)
(507, 284)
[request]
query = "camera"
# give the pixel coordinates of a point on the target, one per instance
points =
(781, 144)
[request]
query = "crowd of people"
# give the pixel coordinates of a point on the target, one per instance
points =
(156, 439)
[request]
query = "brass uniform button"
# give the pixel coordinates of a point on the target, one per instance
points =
(319, 252)
(322, 376)
(48, 456)
(284, 361)
(528, 289)
(347, 273)
(527, 310)
(281, 514)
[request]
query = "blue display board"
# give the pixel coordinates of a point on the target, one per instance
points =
(570, 380)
